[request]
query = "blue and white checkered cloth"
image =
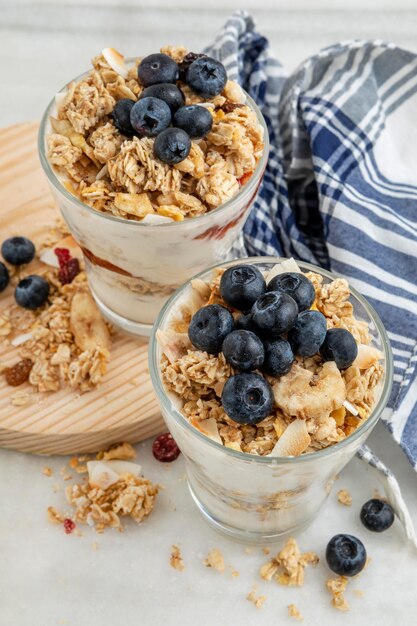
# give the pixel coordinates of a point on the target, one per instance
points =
(340, 188)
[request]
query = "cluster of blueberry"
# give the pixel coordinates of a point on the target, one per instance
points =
(346, 554)
(162, 103)
(33, 291)
(275, 326)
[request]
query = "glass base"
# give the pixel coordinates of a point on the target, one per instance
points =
(247, 537)
(136, 329)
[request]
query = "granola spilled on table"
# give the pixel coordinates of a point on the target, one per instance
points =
(63, 343)
(119, 173)
(315, 404)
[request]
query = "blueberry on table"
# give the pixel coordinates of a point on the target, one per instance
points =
(4, 276)
(241, 286)
(121, 116)
(274, 313)
(346, 555)
(308, 333)
(150, 116)
(247, 398)
(339, 345)
(206, 76)
(377, 515)
(195, 119)
(168, 92)
(157, 68)
(32, 292)
(243, 350)
(209, 327)
(172, 146)
(18, 250)
(279, 357)
(295, 285)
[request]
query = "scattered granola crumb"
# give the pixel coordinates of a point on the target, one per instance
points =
(95, 545)
(344, 497)
(73, 462)
(47, 471)
(266, 551)
(65, 475)
(215, 560)
(358, 593)
(294, 612)
(120, 451)
(257, 600)
(337, 587)
(234, 573)
(176, 560)
(54, 516)
(287, 568)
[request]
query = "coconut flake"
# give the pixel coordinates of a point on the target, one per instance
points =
(173, 345)
(294, 440)
(102, 474)
(209, 428)
(116, 61)
(59, 100)
(152, 218)
(17, 341)
(349, 407)
(289, 265)
(103, 172)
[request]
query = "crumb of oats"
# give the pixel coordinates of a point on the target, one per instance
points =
(47, 471)
(55, 488)
(266, 551)
(120, 452)
(65, 475)
(20, 398)
(54, 516)
(287, 568)
(73, 462)
(95, 545)
(81, 469)
(358, 593)
(337, 587)
(257, 600)
(294, 612)
(234, 572)
(176, 560)
(344, 497)
(215, 560)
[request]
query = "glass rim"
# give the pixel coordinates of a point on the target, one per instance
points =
(54, 180)
(167, 404)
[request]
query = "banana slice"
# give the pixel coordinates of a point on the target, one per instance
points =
(90, 331)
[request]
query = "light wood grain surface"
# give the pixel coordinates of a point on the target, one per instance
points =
(124, 407)
(43, 44)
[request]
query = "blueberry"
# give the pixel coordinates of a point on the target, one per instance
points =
(32, 292)
(377, 515)
(247, 398)
(206, 76)
(18, 250)
(241, 286)
(4, 276)
(157, 68)
(244, 322)
(121, 116)
(150, 116)
(340, 346)
(346, 555)
(172, 146)
(243, 350)
(274, 313)
(209, 327)
(195, 119)
(295, 285)
(168, 92)
(278, 357)
(308, 333)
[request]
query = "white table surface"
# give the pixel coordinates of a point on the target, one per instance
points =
(48, 578)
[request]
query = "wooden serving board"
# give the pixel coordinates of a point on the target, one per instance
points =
(123, 407)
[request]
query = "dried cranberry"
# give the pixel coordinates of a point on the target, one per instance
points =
(69, 271)
(165, 448)
(69, 525)
(63, 255)
(186, 62)
(18, 373)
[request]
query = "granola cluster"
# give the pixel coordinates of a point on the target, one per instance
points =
(287, 568)
(117, 174)
(316, 404)
(66, 342)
